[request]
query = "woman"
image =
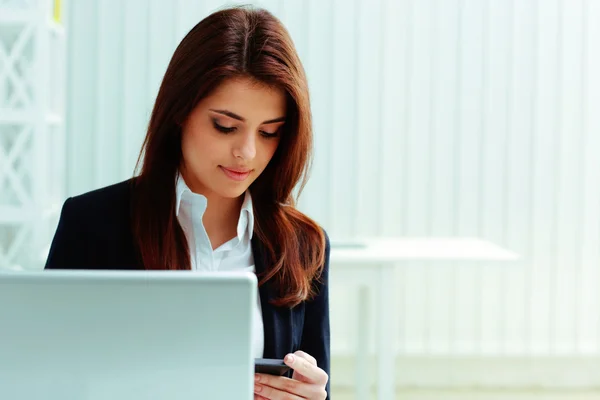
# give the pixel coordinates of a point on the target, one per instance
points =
(228, 140)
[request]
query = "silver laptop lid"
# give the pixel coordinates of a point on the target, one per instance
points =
(91, 335)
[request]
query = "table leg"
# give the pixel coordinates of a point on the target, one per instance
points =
(363, 383)
(387, 332)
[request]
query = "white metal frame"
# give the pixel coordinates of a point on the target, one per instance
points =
(32, 134)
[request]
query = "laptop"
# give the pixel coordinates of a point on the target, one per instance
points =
(126, 335)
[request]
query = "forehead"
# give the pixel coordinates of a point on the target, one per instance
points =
(249, 99)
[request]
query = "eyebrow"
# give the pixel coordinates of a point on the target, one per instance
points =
(235, 116)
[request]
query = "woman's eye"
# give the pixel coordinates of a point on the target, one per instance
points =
(270, 134)
(223, 129)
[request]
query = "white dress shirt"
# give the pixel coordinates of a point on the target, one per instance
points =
(234, 255)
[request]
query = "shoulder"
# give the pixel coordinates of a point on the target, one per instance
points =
(327, 244)
(111, 196)
(326, 247)
(101, 207)
(321, 280)
(326, 251)
(107, 199)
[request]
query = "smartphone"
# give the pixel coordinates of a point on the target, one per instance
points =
(270, 366)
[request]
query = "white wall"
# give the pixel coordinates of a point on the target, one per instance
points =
(432, 117)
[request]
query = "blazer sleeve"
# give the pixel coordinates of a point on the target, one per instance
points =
(316, 332)
(66, 250)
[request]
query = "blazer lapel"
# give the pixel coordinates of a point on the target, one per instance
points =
(277, 321)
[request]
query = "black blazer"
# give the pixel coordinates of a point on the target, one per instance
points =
(94, 232)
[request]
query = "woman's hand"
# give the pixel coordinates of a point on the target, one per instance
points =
(308, 381)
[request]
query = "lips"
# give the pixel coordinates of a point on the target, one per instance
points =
(236, 174)
(237, 170)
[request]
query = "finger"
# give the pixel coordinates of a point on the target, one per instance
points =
(306, 356)
(302, 366)
(259, 397)
(272, 393)
(286, 386)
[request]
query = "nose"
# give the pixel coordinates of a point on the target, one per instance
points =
(245, 146)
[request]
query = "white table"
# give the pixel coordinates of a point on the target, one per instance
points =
(384, 255)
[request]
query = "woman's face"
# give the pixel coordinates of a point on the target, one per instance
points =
(230, 137)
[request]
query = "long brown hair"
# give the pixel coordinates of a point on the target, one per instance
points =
(236, 42)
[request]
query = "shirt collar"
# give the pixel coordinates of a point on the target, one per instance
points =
(245, 221)
(180, 189)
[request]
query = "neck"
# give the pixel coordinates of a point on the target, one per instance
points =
(221, 219)
(221, 216)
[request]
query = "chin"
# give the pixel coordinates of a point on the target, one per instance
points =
(232, 193)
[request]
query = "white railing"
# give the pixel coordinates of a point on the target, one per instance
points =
(32, 122)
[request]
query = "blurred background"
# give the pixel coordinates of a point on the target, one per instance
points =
(432, 119)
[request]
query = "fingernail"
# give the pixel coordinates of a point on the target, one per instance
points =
(256, 378)
(257, 388)
(289, 358)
